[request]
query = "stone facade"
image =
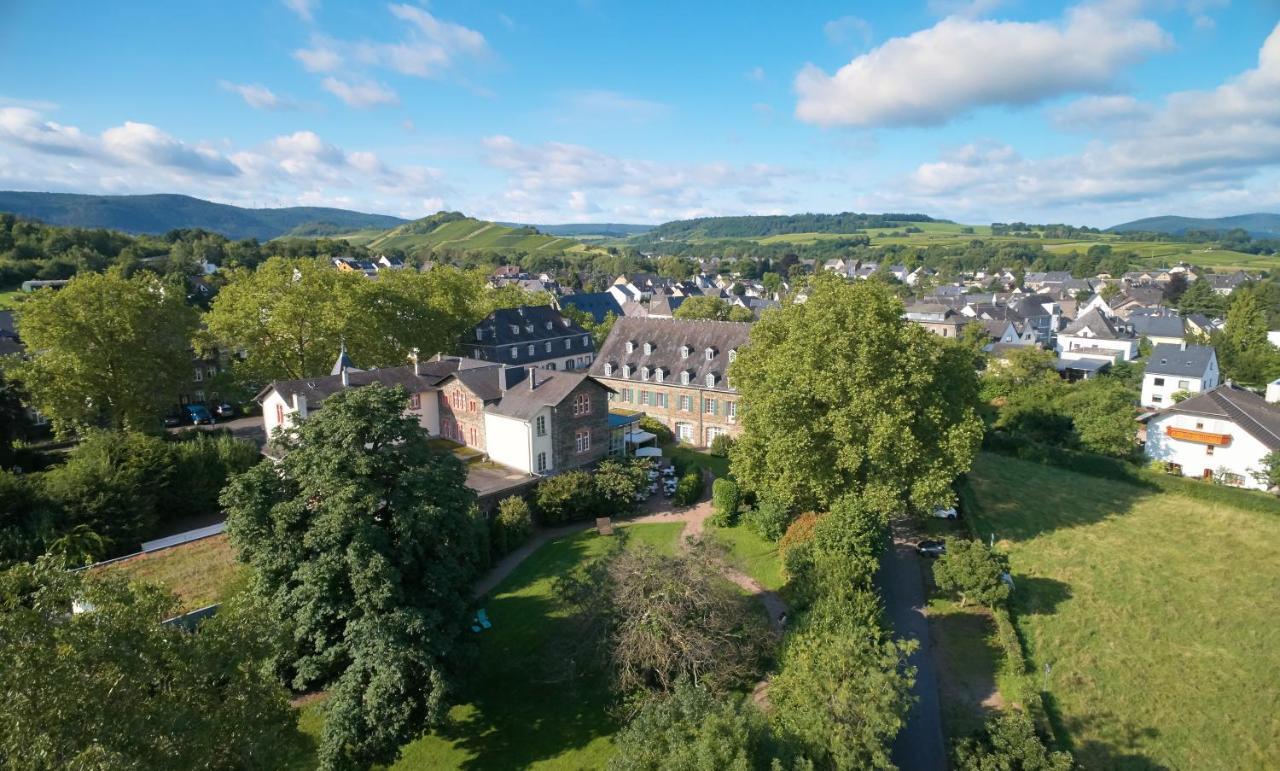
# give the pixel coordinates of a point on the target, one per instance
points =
(462, 415)
(594, 423)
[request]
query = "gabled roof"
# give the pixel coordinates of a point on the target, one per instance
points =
(667, 337)
(1246, 409)
(315, 389)
(1174, 360)
(540, 389)
(1096, 323)
(524, 324)
(598, 304)
(1150, 325)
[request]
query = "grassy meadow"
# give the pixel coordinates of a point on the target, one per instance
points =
(201, 573)
(1155, 613)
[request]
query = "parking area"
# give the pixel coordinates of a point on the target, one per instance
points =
(249, 428)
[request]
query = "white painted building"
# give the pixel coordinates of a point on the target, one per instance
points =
(1094, 336)
(1223, 434)
(1174, 368)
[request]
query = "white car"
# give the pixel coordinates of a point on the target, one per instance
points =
(948, 513)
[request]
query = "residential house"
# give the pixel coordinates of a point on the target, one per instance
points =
(1094, 336)
(1158, 325)
(1223, 434)
(352, 265)
(530, 336)
(1226, 283)
(534, 421)
(1047, 280)
(941, 320)
(389, 263)
(1178, 368)
(675, 370)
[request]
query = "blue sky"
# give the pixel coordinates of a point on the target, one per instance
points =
(561, 111)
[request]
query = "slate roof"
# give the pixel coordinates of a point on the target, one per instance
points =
(1227, 280)
(667, 337)
(598, 304)
(1169, 359)
(317, 388)
(1096, 323)
(542, 388)
(530, 323)
(1162, 325)
(1246, 409)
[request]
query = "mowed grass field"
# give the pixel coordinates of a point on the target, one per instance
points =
(526, 707)
(1157, 614)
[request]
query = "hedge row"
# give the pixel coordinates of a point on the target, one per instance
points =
(1124, 471)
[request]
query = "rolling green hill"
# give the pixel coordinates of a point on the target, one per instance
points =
(162, 213)
(1260, 224)
(774, 225)
(454, 230)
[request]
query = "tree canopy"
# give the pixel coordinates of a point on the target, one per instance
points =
(112, 687)
(106, 350)
(845, 395)
(364, 541)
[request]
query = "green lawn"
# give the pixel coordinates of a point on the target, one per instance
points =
(753, 555)
(967, 660)
(522, 709)
(200, 573)
(1156, 612)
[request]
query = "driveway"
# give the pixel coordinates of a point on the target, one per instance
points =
(919, 746)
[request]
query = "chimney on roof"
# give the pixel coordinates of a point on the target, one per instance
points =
(502, 378)
(346, 381)
(1182, 346)
(532, 379)
(413, 357)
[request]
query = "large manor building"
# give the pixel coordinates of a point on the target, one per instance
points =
(675, 370)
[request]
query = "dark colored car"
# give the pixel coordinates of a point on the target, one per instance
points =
(172, 420)
(197, 414)
(931, 548)
(224, 410)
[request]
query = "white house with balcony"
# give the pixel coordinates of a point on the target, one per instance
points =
(1224, 434)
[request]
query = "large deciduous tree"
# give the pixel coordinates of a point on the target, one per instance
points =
(364, 541)
(112, 687)
(841, 394)
(106, 350)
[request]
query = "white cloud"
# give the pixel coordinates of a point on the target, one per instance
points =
(322, 56)
(258, 96)
(27, 127)
(361, 94)
(291, 169)
(959, 64)
(541, 176)
(848, 30)
(1212, 143)
(579, 203)
(305, 9)
(612, 105)
(1100, 113)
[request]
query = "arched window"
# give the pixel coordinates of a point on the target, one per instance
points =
(658, 374)
(684, 377)
(608, 368)
(644, 373)
(648, 348)
(582, 404)
(626, 370)
(733, 354)
(684, 351)
(711, 353)
(631, 346)
(711, 380)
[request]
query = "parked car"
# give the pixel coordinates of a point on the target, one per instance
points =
(948, 513)
(931, 548)
(172, 419)
(197, 414)
(224, 410)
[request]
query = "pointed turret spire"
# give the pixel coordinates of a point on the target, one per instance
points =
(344, 362)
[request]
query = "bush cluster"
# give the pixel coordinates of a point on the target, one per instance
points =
(689, 488)
(725, 497)
(511, 526)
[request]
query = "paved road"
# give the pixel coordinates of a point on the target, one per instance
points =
(919, 746)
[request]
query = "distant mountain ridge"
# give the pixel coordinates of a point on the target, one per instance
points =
(164, 212)
(1259, 224)
(759, 226)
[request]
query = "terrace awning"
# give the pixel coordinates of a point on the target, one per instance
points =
(640, 437)
(648, 452)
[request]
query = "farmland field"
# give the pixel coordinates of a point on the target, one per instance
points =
(1155, 613)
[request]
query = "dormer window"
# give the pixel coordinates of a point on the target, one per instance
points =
(733, 354)
(644, 373)
(684, 351)
(515, 329)
(528, 328)
(711, 380)
(648, 348)
(626, 370)
(608, 368)
(586, 340)
(631, 346)
(548, 325)
(658, 374)
(684, 377)
(479, 334)
(711, 353)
